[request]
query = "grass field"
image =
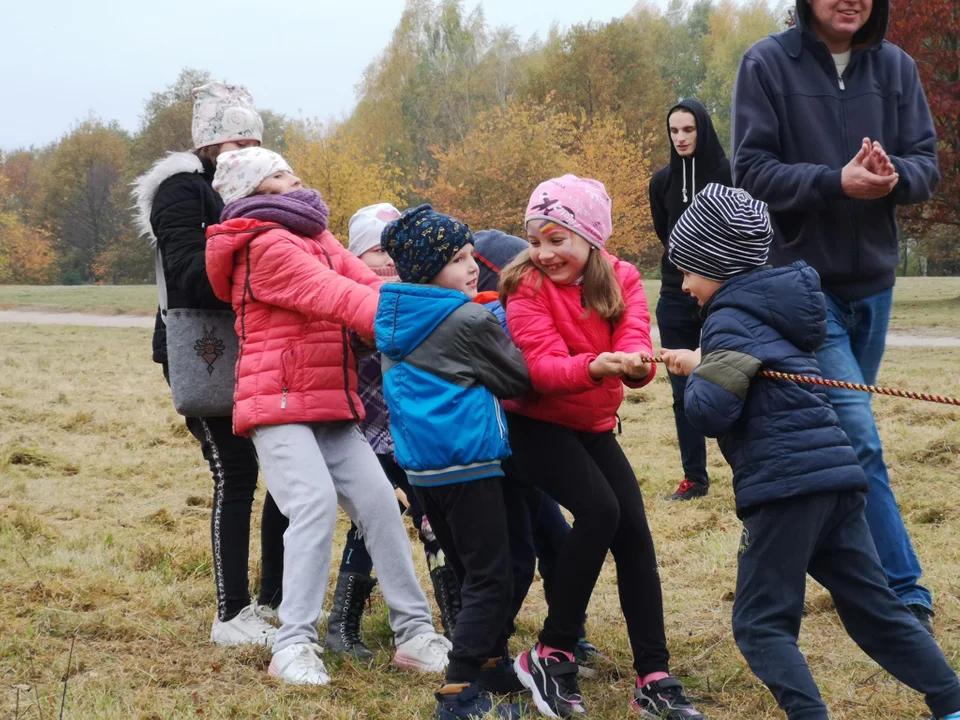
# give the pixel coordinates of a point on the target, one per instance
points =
(928, 306)
(104, 538)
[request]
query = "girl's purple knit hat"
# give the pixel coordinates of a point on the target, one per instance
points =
(578, 204)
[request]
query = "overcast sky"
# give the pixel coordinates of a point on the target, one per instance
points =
(62, 59)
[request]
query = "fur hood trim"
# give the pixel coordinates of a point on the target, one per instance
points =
(145, 187)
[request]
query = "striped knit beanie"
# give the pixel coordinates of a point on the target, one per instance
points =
(725, 232)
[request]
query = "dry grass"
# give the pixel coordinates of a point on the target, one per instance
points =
(927, 306)
(99, 299)
(104, 537)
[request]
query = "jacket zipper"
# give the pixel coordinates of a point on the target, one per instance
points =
(345, 344)
(503, 430)
(851, 214)
(243, 305)
(287, 375)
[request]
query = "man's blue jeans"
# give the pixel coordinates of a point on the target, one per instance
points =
(856, 338)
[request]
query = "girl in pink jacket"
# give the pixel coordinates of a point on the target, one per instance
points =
(580, 318)
(296, 292)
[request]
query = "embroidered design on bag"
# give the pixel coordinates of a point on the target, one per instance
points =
(209, 348)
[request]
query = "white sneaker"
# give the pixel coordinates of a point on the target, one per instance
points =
(299, 664)
(247, 628)
(268, 614)
(426, 652)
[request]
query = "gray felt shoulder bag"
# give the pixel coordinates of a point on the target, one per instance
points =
(202, 350)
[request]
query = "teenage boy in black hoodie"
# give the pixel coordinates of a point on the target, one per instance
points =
(696, 159)
(832, 130)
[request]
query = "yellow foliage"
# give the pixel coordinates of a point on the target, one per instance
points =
(607, 153)
(26, 254)
(487, 179)
(333, 163)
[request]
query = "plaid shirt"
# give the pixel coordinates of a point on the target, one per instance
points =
(376, 426)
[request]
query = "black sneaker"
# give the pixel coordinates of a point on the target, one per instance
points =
(553, 682)
(499, 677)
(689, 490)
(923, 615)
(664, 700)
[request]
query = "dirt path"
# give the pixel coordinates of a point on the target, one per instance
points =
(136, 321)
(33, 317)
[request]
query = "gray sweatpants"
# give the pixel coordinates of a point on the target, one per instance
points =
(308, 469)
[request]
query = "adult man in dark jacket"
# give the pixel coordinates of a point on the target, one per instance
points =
(696, 159)
(831, 128)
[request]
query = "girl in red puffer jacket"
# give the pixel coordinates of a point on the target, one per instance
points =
(296, 292)
(580, 318)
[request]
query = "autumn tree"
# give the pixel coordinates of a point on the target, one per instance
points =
(487, 179)
(598, 69)
(23, 171)
(26, 253)
(85, 201)
(442, 68)
(607, 152)
(929, 31)
(732, 29)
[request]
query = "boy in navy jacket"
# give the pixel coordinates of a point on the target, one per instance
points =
(799, 488)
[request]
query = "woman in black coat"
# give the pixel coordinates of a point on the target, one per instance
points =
(175, 204)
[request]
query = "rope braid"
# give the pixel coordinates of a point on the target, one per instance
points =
(890, 392)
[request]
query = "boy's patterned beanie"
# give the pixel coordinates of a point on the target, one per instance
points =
(422, 241)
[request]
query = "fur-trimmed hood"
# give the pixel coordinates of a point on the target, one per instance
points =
(145, 187)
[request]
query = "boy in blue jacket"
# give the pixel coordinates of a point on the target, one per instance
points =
(799, 488)
(446, 361)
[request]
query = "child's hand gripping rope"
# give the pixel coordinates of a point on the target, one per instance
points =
(683, 362)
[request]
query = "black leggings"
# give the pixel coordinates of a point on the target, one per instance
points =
(588, 474)
(233, 464)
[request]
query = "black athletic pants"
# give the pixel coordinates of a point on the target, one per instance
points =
(588, 474)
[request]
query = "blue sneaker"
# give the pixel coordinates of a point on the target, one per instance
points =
(499, 677)
(471, 703)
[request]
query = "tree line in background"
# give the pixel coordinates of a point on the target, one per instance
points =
(470, 118)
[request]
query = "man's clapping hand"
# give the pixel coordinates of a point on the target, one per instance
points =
(870, 175)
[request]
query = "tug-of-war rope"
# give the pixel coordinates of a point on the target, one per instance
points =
(891, 392)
